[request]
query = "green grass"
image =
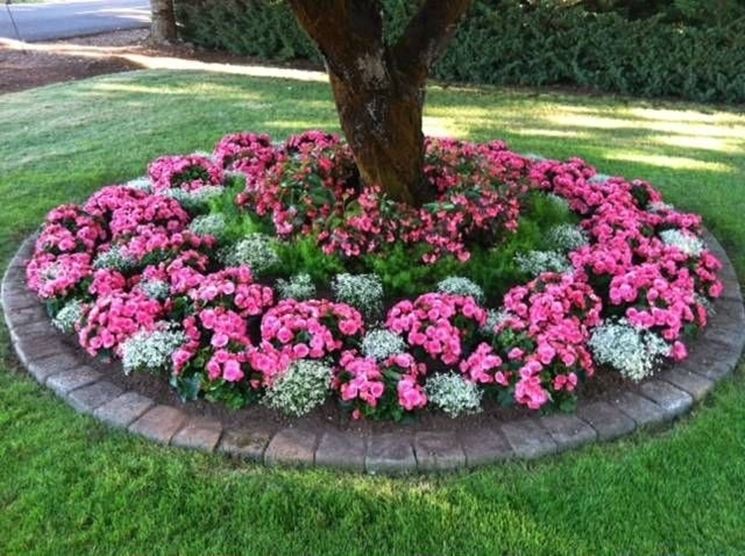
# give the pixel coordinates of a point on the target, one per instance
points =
(69, 485)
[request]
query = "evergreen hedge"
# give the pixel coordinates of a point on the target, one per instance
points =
(501, 43)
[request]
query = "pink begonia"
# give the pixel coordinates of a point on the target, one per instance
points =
(69, 229)
(113, 318)
(105, 201)
(483, 366)
(107, 281)
(51, 276)
(233, 286)
(308, 182)
(431, 323)
(411, 395)
(191, 173)
(302, 329)
(251, 153)
(153, 212)
(366, 382)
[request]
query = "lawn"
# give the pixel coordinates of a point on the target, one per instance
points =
(68, 484)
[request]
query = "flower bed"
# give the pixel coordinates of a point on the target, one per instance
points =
(266, 273)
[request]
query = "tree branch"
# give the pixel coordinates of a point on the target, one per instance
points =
(349, 34)
(427, 35)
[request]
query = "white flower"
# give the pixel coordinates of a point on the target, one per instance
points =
(494, 317)
(115, 259)
(256, 251)
(197, 200)
(634, 352)
(458, 285)
(566, 237)
(141, 183)
(381, 344)
(69, 316)
(659, 206)
(156, 289)
(599, 178)
(453, 394)
(363, 291)
(151, 349)
(685, 241)
(301, 388)
(212, 224)
(537, 262)
(535, 157)
(298, 287)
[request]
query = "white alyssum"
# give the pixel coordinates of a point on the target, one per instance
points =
(151, 349)
(115, 258)
(255, 251)
(599, 178)
(362, 291)
(156, 289)
(197, 200)
(453, 394)
(566, 237)
(494, 317)
(299, 286)
(659, 206)
(142, 183)
(690, 244)
(380, 344)
(634, 352)
(301, 388)
(213, 224)
(536, 262)
(459, 285)
(69, 316)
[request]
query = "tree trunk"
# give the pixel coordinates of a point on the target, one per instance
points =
(384, 129)
(379, 89)
(163, 22)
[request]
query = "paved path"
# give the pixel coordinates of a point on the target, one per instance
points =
(59, 20)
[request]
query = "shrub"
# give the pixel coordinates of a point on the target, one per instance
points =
(505, 43)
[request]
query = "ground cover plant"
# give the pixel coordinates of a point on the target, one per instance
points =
(176, 274)
(68, 484)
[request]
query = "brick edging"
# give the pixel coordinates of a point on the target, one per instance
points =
(661, 399)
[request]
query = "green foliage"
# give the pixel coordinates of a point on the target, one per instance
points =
(494, 269)
(528, 43)
(302, 255)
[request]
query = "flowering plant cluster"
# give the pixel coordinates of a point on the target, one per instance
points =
(311, 185)
(184, 172)
(158, 273)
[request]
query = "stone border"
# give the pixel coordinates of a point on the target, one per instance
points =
(659, 400)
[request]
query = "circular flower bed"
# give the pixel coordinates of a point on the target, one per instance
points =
(268, 273)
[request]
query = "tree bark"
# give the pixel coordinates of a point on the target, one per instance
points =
(379, 90)
(163, 22)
